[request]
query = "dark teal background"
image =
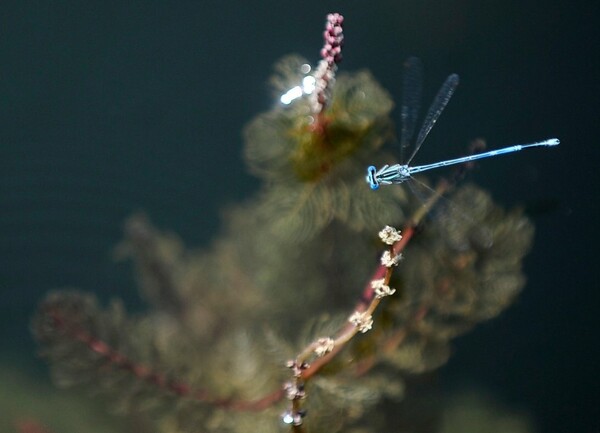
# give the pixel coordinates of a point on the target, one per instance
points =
(111, 107)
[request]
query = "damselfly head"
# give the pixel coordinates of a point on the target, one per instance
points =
(371, 170)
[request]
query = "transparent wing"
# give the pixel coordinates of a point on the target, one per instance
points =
(435, 110)
(412, 87)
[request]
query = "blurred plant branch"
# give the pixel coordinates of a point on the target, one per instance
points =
(221, 322)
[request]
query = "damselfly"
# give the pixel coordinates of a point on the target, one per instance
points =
(399, 173)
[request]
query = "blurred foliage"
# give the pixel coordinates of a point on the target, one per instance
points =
(287, 267)
(27, 401)
(474, 411)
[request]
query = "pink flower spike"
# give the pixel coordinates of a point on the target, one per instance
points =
(334, 38)
(331, 55)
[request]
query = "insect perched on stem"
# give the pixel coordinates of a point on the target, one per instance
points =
(400, 173)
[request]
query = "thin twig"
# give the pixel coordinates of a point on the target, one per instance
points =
(368, 302)
(147, 374)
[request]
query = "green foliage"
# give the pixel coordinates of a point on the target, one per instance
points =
(26, 399)
(288, 264)
(282, 145)
(314, 166)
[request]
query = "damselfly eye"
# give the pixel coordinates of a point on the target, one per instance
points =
(370, 178)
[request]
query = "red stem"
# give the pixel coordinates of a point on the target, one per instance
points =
(146, 374)
(183, 389)
(363, 303)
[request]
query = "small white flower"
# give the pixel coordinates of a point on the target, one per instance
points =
(362, 321)
(388, 261)
(324, 346)
(293, 391)
(381, 290)
(389, 235)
